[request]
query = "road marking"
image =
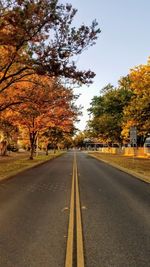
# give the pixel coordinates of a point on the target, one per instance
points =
(80, 252)
(84, 208)
(75, 213)
(64, 209)
(69, 251)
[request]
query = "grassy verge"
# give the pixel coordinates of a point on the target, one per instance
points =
(138, 166)
(15, 163)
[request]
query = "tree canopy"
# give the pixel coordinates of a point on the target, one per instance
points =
(107, 112)
(137, 112)
(47, 106)
(38, 37)
(38, 48)
(116, 109)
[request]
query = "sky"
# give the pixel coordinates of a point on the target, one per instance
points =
(124, 42)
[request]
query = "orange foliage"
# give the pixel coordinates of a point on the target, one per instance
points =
(44, 103)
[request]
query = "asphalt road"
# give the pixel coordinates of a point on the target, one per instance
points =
(115, 214)
(34, 215)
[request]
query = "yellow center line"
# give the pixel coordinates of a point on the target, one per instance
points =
(80, 252)
(75, 207)
(69, 251)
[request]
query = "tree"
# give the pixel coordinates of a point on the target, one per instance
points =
(37, 37)
(46, 106)
(137, 112)
(9, 132)
(79, 139)
(107, 111)
(58, 136)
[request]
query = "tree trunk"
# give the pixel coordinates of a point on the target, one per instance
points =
(3, 148)
(33, 136)
(32, 152)
(55, 148)
(46, 150)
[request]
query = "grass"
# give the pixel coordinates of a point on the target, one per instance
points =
(17, 162)
(140, 166)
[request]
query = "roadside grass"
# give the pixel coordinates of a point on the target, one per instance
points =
(17, 162)
(141, 166)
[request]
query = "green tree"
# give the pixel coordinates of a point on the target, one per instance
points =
(107, 111)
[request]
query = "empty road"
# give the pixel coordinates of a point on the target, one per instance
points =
(74, 210)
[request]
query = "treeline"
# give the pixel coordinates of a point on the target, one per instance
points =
(38, 47)
(116, 109)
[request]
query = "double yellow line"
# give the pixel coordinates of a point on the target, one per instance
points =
(74, 250)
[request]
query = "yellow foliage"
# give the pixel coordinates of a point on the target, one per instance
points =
(137, 113)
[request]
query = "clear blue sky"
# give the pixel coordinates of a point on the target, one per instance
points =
(123, 43)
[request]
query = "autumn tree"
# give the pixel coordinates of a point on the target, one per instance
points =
(9, 132)
(38, 37)
(79, 139)
(59, 136)
(137, 112)
(46, 104)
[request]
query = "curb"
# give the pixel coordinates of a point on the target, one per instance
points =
(134, 174)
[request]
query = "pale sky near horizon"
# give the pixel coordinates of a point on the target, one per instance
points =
(123, 43)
